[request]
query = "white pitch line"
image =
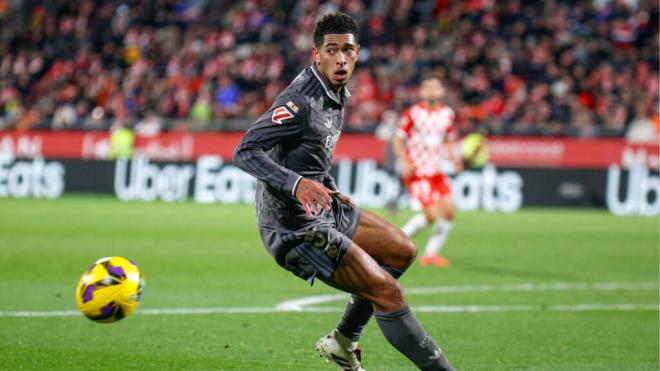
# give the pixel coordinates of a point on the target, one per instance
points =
(524, 287)
(218, 310)
(300, 304)
(146, 311)
(536, 308)
(40, 313)
(419, 309)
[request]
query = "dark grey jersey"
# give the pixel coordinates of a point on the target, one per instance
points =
(295, 138)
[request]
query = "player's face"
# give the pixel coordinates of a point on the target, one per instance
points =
(336, 58)
(431, 91)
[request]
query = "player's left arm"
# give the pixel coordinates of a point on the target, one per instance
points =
(284, 121)
(451, 139)
(451, 150)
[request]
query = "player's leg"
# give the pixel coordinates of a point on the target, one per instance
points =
(384, 242)
(393, 251)
(415, 224)
(441, 228)
(359, 274)
(420, 190)
(442, 212)
(433, 211)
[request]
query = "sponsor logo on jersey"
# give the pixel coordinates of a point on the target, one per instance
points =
(331, 141)
(293, 106)
(280, 114)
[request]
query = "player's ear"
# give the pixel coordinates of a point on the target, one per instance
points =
(316, 55)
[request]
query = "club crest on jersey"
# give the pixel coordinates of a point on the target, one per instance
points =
(280, 114)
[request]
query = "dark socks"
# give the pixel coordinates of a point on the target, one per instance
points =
(394, 272)
(359, 310)
(355, 317)
(406, 334)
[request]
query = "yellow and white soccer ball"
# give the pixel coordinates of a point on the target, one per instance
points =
(110, 289)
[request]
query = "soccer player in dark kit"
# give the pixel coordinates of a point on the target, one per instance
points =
(314, 231)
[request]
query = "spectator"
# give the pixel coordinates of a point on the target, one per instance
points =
(515, 67)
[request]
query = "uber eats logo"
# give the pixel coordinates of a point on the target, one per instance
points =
(30, 178)
(487, 189)
(210, 180)
(639, 194)
(207, 180)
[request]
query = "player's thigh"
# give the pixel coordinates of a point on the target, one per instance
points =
(383, 241)
(443, 208)
(360, 274)
(433, 211)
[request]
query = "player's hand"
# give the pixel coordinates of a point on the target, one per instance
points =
(343, 198)
(314, 196)
(458, 166)
(407, 170)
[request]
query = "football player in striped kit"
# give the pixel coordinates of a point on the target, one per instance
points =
(425, 136)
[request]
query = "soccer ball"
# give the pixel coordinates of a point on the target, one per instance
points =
(110, 289)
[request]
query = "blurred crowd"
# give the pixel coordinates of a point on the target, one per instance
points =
(584, 68)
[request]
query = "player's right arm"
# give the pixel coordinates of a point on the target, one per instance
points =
(399, 144)
(284, 121)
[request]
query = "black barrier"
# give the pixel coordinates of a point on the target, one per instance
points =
(563, 187)
(89, 176)
(210, 180)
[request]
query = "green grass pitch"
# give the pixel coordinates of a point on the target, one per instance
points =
(210, 256)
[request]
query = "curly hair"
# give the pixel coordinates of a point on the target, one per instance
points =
(334, 23)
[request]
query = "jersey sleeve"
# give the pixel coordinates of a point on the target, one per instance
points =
(285, 119)
(329, 182)
(405, 124)
(452, 131)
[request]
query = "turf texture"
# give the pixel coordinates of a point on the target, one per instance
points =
(540, 289)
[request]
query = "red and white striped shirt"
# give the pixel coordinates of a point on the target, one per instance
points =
(426, 131)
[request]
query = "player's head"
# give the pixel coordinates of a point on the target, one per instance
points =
(336, 48)
(431, 89)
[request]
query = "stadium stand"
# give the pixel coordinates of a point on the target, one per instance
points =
(579, 68)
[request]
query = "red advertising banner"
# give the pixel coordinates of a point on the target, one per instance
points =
(166, 146)
(570, 152)
(504, 151)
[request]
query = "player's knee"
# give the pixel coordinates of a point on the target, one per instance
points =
(405, 250)
(447, 211)
(408, 250)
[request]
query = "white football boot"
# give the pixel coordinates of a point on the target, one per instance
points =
(339, 349)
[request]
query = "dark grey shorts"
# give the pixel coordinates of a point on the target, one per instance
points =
(318, 247)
